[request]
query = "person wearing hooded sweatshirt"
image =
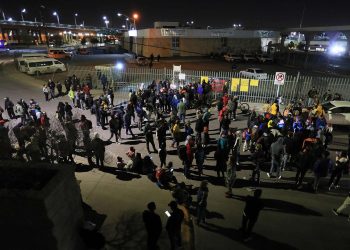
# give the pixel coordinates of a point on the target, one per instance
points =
(276, 157)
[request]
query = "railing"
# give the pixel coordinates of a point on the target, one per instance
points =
(295, 87)
(49, 25)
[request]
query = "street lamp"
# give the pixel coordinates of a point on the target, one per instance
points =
(22, 12)
(126, 19)
(58, 18)
(104, 18)
(10, 19)
(75, 18)
(106, 22)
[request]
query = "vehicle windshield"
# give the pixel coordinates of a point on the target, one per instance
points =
(259, 71)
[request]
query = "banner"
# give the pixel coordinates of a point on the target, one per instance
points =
(234, 84)
(205, 78)
(254, 82)
(244, 85)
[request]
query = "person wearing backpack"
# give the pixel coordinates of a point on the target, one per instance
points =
(341, 163)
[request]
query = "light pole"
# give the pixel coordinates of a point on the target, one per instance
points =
(22, 12)
(75, 18)
(58, 18)
(106, 22)
(126, 19)
(135, 16)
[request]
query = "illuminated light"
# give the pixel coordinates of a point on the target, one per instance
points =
(24, 11)
(51, 35)
(119, 66)
(91, 34)
(10, 19)
(86, 34)
(69, 32)
(135, 16)
(80, 34)
(60, 33)
(337, 50)
(64, 32)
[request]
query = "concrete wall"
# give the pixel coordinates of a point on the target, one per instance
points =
(192, 46)
(43, 219)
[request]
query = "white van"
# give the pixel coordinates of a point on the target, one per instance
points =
(19, 61)
(37, 66)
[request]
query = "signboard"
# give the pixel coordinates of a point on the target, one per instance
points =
(280, 78)
(234, 84)
(244, 85)
(132, 33)
(254, 83)
(182, 76)
(205, 78)
(177, 68)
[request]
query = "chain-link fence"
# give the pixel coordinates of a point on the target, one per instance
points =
(295, 87)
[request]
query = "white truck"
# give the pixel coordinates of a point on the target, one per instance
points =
(253, 73)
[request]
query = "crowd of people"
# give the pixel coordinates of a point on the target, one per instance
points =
(295, 137)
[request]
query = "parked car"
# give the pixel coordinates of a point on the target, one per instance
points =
(233, 57)
(249, 58)
(60, 54)
(337, 112)
(264, 58)
(142, 61)
(254, 73)
(84, 51)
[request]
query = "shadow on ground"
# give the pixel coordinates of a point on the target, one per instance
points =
(258, 242)
(283, 206)
(121, 175)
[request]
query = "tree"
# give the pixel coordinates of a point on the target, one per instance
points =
(94, 40)
(83, 41)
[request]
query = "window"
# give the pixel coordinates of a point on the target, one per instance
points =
(57, 62)
(175, 42)
(341, 110)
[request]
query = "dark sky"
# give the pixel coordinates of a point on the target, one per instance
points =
(219, 13)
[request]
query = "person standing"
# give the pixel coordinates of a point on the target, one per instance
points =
(98, 148)
(71, 96)
(114, 125)
(341, 163)
(46, 92)
(9, 108)
(231, 176)
(276, 157)
(181, 109)
(147, 130)
(52, 87)
(173, 225)
(153, 226)
(345, 205)
(59, 89)
(127, 124)
(162, 155)
(251, 212)
(200, 157)
(19, 112)
(202, 197)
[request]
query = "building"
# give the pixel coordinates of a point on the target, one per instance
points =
(168, 39)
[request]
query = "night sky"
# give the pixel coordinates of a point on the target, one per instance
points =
(220, 13)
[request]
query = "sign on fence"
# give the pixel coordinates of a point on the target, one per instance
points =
(280, 77)
(254, 82)
(204, 78)
(244, 85)
(234, 84)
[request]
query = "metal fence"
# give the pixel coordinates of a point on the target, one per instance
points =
(124, 80)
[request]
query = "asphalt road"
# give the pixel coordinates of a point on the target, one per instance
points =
(291, 219)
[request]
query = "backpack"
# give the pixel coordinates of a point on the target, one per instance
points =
(181, 152)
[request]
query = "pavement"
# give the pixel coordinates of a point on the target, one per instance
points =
(291, 219)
